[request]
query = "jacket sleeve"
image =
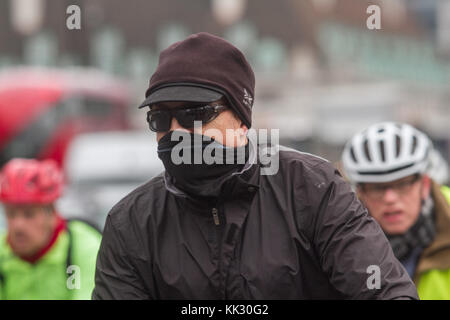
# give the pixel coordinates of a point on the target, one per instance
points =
(351, 246)
(115, 276)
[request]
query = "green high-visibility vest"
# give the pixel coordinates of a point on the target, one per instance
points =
(435, 284)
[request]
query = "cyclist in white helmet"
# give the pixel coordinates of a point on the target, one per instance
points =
(388, 164)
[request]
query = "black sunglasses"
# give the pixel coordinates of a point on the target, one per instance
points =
(160, 120)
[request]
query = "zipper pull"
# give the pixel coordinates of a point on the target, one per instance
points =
(215, 214)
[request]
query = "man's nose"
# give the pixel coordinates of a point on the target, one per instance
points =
(175, 125)
(390, 195)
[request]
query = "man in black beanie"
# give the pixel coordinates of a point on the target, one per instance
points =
(217, 224)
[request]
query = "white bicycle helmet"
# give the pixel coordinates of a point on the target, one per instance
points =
(386, 152)
(438, 168)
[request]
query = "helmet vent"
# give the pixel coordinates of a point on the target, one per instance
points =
(382, 153)
(414, 145)
(366, 150)
(398, 144)
(33, 182)
(352, 154)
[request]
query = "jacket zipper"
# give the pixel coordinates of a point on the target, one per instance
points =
(215, 214)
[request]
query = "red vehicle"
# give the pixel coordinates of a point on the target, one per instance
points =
(41, 110)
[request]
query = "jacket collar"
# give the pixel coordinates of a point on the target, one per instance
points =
(437, 255)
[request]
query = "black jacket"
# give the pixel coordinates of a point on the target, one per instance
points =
(298, 234)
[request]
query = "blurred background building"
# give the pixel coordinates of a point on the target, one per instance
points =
(321, 74)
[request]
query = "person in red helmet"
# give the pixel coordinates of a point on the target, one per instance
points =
(42, 256)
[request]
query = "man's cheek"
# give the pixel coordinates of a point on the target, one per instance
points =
(376, 212)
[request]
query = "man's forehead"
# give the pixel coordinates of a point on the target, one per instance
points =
(22, 207)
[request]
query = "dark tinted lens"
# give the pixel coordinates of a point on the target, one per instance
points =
(159, 120)
(186, 117)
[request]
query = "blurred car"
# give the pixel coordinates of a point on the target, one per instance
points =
(101, 168)
(42, 109)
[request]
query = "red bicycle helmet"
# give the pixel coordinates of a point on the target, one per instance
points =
(27, 181)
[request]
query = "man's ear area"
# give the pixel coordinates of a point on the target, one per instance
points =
(426, 186)
(241, 123)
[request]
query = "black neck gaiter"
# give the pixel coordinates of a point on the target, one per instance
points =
(199, 165)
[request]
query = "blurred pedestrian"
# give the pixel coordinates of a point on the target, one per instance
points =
(42, 256)
(388, 162)
(240, 228)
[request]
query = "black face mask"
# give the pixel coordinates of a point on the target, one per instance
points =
(198, 164)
